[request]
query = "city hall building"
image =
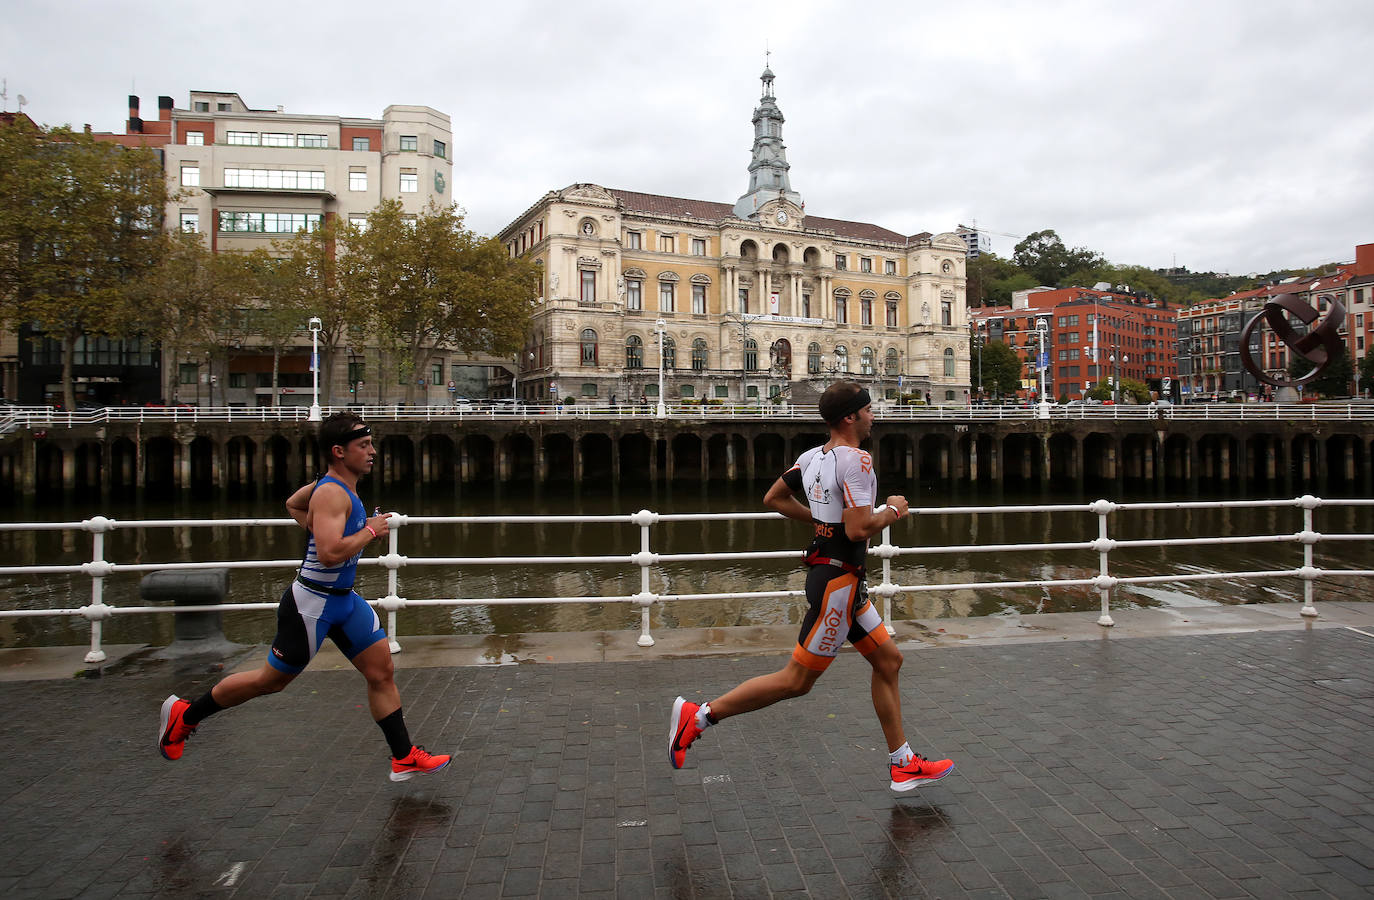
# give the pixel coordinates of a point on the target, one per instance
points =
(750, 301)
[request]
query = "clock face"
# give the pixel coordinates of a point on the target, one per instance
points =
(782, 217)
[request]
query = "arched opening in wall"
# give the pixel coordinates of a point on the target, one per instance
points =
(986, 470)
(892, 451)
(48, 468)
(1302, 464)
(481, 464)
(781, 255)
(1097, 458)
(1344, 461)
(1217, 458)
(397, 460)
(1063, 458)
(811, 256)
(718, 457)
(278, 452)
(742, 456)
(932, 458)
(438, 459)
(88, 467)
(1137, 457)
(1022, 459)
(203, 451)
(558, 457)
(687, 452)
(310, 464)
(1177, 450)
(159, 465)
(635, 453)
(770, 456)
(780, 358)
(597, 458)
(519, 449)
(1259, 449)
(239, 453)
(749, 250)
(123, 465)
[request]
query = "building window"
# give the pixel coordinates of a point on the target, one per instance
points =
(699, 355)
(188, 373)
(410, 181)
(949, 363)
(842, 358)
(865, 310)
(806, 306)
(201, 106)
(866, 361)
(410, 142)
(751, 355)
(722, 391)
(949, 395)
(744, 300)
(865, 264)
(687, 391)
(665, 296)
(358, 222)
(751, 392)
(357, 181)
(588, 389)
(699, 299)
(278, 140)
(436, 374)
(669, 353)
(892, 314)
(634, 352)
(889, 267)
(362, 145)
(242, 138)
(634, 294)
(698, 246)
(440, 150)
(268, 222)
(588, 347)
(841, 309)
(813, 358)
(223, 107)
(890, 362)
(665, 243)
(632, 240)
(190, 175)
(946, 312)
(841, 262)
(588, 294)
(274, 179)
(190, 222)
(195, 138)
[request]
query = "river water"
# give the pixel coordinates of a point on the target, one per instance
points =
(418, 582)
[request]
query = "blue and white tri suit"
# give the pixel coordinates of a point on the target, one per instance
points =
(321, 603)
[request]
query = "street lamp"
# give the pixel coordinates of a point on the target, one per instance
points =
(1042, 328)
(315, 326)
(660, 327)
(978, 340)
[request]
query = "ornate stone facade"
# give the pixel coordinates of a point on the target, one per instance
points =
(757, 299)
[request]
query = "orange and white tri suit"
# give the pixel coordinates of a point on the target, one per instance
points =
(832, 481)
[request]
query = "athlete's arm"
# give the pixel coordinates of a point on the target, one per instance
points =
(298, 504)
(781, 498)
(329, 508)
(861, 522)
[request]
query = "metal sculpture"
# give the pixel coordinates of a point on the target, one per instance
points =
(1319, 346)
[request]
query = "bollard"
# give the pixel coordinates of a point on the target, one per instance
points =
(195, 632)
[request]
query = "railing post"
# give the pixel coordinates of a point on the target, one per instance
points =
(1104, 582)
(887, 588)
(1309, 537)
(644, 559)
(98, 568)
(392, 560)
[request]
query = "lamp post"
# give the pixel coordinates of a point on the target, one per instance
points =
(660, 327)
(1042, 328)
(315, 326)
(976, 328)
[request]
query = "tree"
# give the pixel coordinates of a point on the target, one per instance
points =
(1001, 369)
(1044, 256)
(80, 225)
(1366, 370)
(992, 279)
(433, 284)
(174, 301)
(1334, 381)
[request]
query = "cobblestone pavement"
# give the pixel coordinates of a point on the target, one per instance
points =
(1224, 765)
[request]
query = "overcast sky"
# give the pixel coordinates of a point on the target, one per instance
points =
(1227, 135)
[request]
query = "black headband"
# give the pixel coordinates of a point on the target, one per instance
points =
(861, 399)
(361, 431)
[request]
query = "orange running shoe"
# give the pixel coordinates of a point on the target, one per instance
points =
(682, 731)
(919, 771)
(417, 762)
(172, 730)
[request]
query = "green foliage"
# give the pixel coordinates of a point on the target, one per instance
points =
(1100, 390)
(1001, 369)
(1136, 391)
(1334, 381)
(80, 225)
(992, 279)
(1044, 256)
(1366, 374)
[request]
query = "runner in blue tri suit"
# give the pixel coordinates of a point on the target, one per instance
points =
(839, 485)
(320, 603)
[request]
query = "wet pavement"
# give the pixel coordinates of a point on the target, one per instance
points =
(1198, 753)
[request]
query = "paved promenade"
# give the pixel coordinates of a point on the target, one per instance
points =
(1221, 762)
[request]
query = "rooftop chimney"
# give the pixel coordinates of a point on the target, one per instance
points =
(164, 108)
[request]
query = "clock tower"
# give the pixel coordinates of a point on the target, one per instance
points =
(768, 178)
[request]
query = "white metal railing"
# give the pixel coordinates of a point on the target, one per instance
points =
(42, 418)
(646, 559)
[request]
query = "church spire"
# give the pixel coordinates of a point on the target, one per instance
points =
(768, 178)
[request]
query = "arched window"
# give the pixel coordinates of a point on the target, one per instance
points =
(813, 358)
(841, 307)
(949, 361)
(866, 361)
(634, 352)
(588, 347)
(892, 298)
(751, 355)
(780, 357)
(866, 308)
(842, 358)
(669, 353)
(699, 355)
(891, 363)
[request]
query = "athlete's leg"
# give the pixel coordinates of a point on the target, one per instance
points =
(244, 686)
(792, 680)
(886, 661)
(383, 698)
